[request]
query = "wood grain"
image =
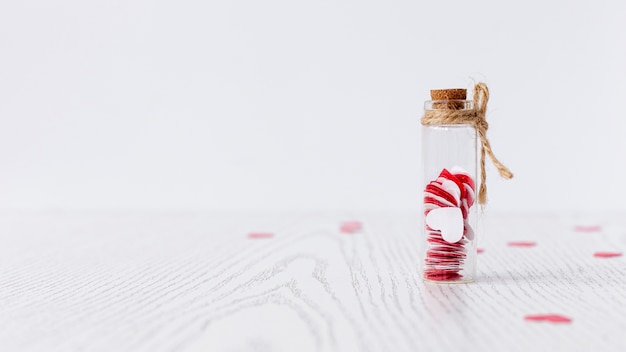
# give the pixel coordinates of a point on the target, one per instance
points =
(197, 282)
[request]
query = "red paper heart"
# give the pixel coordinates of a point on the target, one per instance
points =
(442, 275)
(463, 175)
(435, 201)
(435, 190)
(449, 176)
(468, 184)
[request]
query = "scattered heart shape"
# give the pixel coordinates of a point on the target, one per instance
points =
(587, 228)
(551, 318)
(447, 220)
(607, 254)
(522, 244)
(351, 227)
(479, 250)
(259, 235)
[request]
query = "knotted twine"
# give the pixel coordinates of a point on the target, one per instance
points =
(475, 117)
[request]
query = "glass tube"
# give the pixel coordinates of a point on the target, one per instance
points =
(450, 215)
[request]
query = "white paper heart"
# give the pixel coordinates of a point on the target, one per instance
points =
(447, 220)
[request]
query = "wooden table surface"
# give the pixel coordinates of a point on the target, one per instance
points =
(197, 282)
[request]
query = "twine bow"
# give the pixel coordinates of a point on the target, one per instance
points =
(475, 117)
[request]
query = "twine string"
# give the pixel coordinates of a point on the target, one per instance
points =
(477, 118)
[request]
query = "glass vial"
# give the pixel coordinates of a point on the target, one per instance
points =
(449, 184)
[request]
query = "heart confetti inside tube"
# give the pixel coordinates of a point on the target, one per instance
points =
(447, 204)
(452, 130)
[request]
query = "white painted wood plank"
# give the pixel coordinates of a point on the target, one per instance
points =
(195, 282)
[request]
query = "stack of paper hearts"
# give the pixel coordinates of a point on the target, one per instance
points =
(447, 201)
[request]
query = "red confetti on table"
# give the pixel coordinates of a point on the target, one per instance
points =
(350, 227)
(480, 250)
(588, 228)
(607, 254)
(258, 235)
(522, 244)
(551, 318)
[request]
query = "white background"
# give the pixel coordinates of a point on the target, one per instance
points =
(294, 105)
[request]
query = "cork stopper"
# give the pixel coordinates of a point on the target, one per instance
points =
(457, 95)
